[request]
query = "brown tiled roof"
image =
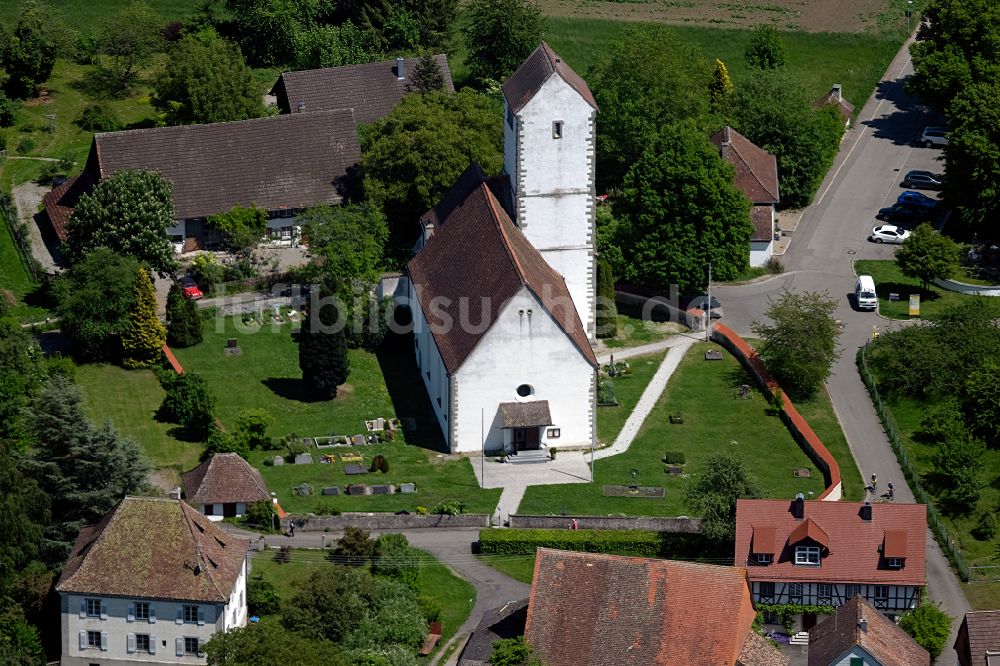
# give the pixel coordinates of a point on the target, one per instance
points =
(478, 254)
(808, 529)
(853, 545)
(882, 638)
(980, 632)
(279, 162)
(505, 621)
(222, 479)
(763, 225)
(154, 548)
(535, 71)
(588, 609)
(468, 180)
(763, 539)
(525, 414)
(60, 201)
(372, 89)
(894, 544)
(756, 169)
(758, 651)
(843, 106)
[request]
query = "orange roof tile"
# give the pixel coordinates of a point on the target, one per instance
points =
(895, 543)
(808, 529)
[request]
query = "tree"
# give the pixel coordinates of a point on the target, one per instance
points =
(225, 442)
(189, 403)
(20, 643)
(262, 596)
(268, 644)
(648, 78)
(330, 603)
(713, 495)
(959, 463)
(266, 29)
(335, 46)
(427, 76)
(350, 239)
(800, 344)
(128, 39)
(972, 158)
(323, 348)
(24, 512)
(513, 652)
(128, 213)
(720, 88)
(928, 625)
(143, 339)
(983, 401)
(22, 374)
(500, 35)
(607, 313)
(680, 210)
(183, 320)
(243, 227)
(927, 255)
(355, 548)
(773, 110)
(252, 426)
(207, 83)
(419, 150)
(84, 470)
(94, 299)
(765, 50)
(30, 51)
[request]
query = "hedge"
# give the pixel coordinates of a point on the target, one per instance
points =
(636, 543)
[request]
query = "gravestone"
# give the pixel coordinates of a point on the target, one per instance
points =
(332, 490)
(381, 489)
(233, 347)
(303, 459)
(354, 469)
(407, 488)
(279, 461)
(713, 355)
(358, 489)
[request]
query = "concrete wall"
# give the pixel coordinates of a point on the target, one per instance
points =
(523, 348)
(385, 521)
(972, 289)
(675, 525)
(760, 252)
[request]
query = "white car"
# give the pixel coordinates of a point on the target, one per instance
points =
(888, 233)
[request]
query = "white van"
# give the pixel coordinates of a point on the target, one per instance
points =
(864, 293)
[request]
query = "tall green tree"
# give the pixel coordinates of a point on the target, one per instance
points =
(207, 83)
(243, 227)
(928, 625)
(800, 342)
(183, 320)
(681, 210)
(927, 255)
(22, 374)
(350, 239)
(84, 470)
(94, 299)
(269, 644)
(418, 151)
(128, 213)
(765, 50)
(648, 78)
(960, 464)
(323, 347)
(607, 312)
(29, 53)
(266, 29)
(723, 480)
(330, 604)
(127, 40)
(145, 336)
(189, 403)
(972, 156)
(427, 76)
(499, 35)
(24, 512)
(335, 46)
(983, 401)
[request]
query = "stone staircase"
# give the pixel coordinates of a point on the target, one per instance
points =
(801, 638)
(529, 457)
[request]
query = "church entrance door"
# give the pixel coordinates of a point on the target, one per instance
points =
(526, 439)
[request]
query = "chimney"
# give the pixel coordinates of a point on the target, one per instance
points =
(866, 511)
(863, 625)
(175, 493)
(836, 92)
(301, 107)
(799, 506)
(400, 69)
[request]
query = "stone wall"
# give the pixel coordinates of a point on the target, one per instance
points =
(384, 521)
(680, 525)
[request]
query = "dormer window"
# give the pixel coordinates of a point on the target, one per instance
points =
(764, 558)
(895, 562)
(808, 555)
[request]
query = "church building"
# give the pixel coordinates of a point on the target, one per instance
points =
(502, 289)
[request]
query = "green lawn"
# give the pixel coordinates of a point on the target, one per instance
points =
(25, 296)
(633, 332)
(714, 421)
(518, 567)
(86, 15)
(889, 279)
(455, 595)
(628, 390)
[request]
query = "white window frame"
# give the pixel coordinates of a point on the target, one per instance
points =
(881, 592)
(795, 591)
(807, 555)
(91, 604)
(895, 562)
(142, 611)
(764, 558)
(90, 640)
(190, 614)
(824, 591)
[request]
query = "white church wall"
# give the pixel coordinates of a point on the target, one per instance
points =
(432, 370)
(524, 349)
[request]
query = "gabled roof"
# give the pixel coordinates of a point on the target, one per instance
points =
(154, 548)
(894, 543)
(853, 545)
(372, 89)
(980, 631)
(756, 169)
(281, 162)
(535, 71)
(480, 258)
(763, 539)
(881, 637)
(505, 621)
(758, 651)
(588, 609)
(530, 414)
(223, 479)
(60, 201)
(835, 97)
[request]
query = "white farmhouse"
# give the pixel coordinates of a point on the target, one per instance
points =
(150, 584)
(502, 289)
(224, 486)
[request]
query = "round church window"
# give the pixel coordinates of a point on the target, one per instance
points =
(524, 390)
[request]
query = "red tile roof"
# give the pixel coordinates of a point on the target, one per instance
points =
(535, 71)
(763, 539)
(854, 545)
(979, 634)
(756, 169)
(836, 98)
(225, 478)
(588, 609)
(894, 544)
(155, 548)
(60, 201)
(762, 218)
(808, 529)
(881, 637)
(371, 89)
(478, 253)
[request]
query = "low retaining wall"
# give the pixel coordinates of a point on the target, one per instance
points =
(660, 308)
(970, 289)
(797, 425)
(675, 525)
(385, 521)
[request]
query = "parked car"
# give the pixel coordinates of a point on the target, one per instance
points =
(934, 136)
(904, 213)
(888, 233)
(190, 288)
(917, 199)
(923, 180)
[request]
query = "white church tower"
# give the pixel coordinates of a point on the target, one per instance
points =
(549, 155)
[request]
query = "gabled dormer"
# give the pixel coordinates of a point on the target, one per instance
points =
(762, 545)
(893, 549)
(808, 543)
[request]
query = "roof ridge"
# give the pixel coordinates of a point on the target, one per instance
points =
(389, 61)
(282, 117)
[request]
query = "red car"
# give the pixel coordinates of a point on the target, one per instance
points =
(190, 289)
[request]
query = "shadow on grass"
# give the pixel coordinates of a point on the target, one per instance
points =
(290, 388)
(907, 289)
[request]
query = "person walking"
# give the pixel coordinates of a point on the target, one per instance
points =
(874, 483)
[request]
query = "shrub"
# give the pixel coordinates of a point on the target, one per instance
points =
(640, 543)
(284, 555)
(774, 266)
(355, 548)
(674, 458)
(986, 528)
(422, 511)
(379, 464)
(98, 118)
(26, 145)
(430, 607)
(188, 403)
(606, 393)
(252, 426)
(8, 110)
(448, 508)
(262, 597)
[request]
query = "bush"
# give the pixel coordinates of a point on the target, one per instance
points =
(188, 403)
(252, 426)
(928, 625)
(8, 110)
(986, 528)
(284, 555)
(26, 145)
(639, 543)
(262, 597)
(98, 118)
(379, 464)
(606, 393)
(449, 508)
(774, 266)
(674, 458)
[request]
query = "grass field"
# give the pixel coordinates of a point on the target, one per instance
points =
(633, 332)
(628, 390)
(518, 567)
(933, 300)
(86, 15)
(455, 595)
(714, 421)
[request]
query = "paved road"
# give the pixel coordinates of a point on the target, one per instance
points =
(831, 235)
